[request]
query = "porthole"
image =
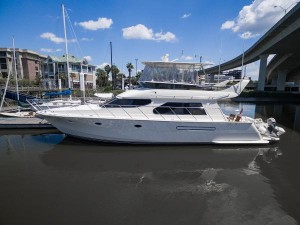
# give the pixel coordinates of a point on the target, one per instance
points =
(138, 126)
(98, 123)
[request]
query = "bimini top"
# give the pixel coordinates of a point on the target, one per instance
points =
(182, 65)
(172, 73)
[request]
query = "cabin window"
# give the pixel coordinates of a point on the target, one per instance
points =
(179, 108)
(127, 102)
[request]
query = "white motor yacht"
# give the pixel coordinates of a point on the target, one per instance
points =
(164, 116)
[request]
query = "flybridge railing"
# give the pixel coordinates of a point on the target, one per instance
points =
(193, 97)
(136, 112)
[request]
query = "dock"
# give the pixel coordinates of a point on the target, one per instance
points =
(23, 123)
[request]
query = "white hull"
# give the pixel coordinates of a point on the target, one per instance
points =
(158, 131)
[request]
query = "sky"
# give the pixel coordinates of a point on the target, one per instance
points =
(141, 30)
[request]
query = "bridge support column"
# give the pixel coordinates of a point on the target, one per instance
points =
(262, 72)
(281, 78)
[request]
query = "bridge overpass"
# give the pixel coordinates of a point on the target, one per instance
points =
(283, 40)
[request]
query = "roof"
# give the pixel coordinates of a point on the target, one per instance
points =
(71, 59)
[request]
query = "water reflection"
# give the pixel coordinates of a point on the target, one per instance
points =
(72, 154)
(30, 142)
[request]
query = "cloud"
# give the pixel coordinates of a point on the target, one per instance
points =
(256, 18)
(140, 31)
(88, 58)
(86, 39)
(49, 50)
(186, 15)
(101, 23)
(101, 66)
(168, 37)
(228, 25)
(52, 37)
(248, 35)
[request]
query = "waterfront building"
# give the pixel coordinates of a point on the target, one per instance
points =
(55, 68)
(28, 63)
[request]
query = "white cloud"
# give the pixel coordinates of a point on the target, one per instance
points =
(228, 25)
(86, 39)
(186, 15)
(49, 50)
(137, 32)
(88, 58)
(102, 65)
(258, 17)
(52, 37)
(164, 37)
(101, 23)
(140, 31)
(248, 35)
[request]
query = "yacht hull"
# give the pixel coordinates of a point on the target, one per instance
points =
(157, 131)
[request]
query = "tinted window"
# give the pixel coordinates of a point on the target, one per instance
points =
(180, 109)
(128, 102)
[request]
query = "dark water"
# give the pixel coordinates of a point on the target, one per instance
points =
(48, 178)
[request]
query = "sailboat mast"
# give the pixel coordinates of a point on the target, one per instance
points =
(66, 45)
(112, 78)
(16, 74)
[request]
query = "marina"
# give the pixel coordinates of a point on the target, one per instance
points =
(171, 125)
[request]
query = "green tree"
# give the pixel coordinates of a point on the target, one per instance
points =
(63, 78)
(138, 76)
(129, 67)
(119, 79)
(102, 77)
(114, 71)
(38, 79)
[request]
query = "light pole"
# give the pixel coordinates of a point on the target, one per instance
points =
(136, 66)
(285, 9)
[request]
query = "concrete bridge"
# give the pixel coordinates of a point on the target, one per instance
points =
(283, 40)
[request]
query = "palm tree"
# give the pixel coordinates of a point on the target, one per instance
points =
(130, 67)
(63, 78)
(107, 70)
(102, 77)
(114, 71)
(72, 75)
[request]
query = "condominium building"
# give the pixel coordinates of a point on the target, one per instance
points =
(28, 63)
(31, 65)
(55, 68)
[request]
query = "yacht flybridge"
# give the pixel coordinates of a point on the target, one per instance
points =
(164, 116)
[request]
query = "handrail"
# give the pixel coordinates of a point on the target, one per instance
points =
(91, 110)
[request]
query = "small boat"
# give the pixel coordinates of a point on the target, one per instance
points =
(164, 116)
(18, 113)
